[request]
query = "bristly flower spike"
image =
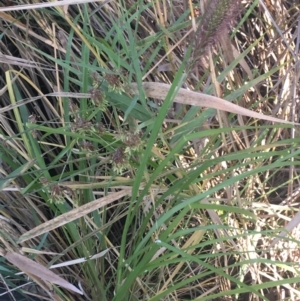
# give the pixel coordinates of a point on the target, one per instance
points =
(217, 17)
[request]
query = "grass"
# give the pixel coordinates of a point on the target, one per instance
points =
(108, 193)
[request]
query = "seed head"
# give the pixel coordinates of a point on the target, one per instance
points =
(215, 22)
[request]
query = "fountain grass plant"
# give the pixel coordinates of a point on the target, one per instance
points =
(109, 194)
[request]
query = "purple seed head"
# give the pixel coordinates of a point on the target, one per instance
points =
(216, 19)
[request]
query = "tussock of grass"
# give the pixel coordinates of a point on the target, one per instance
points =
(128, 197)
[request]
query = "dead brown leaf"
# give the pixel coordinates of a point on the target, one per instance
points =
(31, 267)
(73, 214)
(160, 91)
